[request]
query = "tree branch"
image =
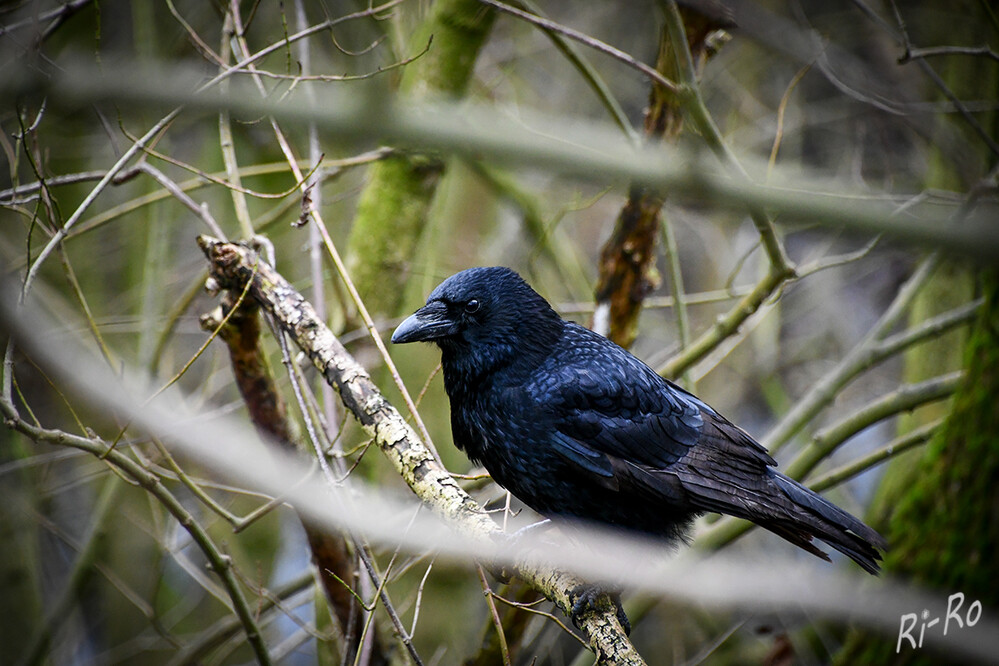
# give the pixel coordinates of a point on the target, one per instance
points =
(217, 560)
(232, 266)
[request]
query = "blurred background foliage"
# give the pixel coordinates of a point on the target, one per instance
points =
(895, 102)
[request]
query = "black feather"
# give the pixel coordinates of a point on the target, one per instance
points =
(578, 428)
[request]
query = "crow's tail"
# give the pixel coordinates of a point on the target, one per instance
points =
(817, 517)
(730, 473)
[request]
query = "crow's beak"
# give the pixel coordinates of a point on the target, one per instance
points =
(426, 324)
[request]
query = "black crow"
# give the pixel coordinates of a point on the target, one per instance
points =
(578, 428)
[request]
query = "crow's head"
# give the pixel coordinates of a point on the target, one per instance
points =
(487, 311)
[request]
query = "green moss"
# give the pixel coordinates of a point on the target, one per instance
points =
(390, 218)
(394, 206)
(943, 531)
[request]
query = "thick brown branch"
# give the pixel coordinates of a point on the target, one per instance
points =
(331, 552)
(628, 258)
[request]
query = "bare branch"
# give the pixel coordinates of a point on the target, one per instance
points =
(582, 38)
(219, 562)
(933, 51)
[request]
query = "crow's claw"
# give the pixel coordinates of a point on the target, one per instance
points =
(587, 597)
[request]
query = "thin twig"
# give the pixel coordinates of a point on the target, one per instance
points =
(419, 597)
(494, 614)
(677, 291)
(226, 143)
(899, 445)
(781, 111)
(582, 38)
(9, 196)
(904, 399)
(228, 625)
(88, 315)
(60, 608)
(220, 178)
(359, 546)
(196, 39)
(724, 326)
(57, 17)
(341, 269)
(331, 166)
(589, 74)
(108, 177)
(137, 146)
(822, 391)
(375, 335)
(297, 78)
(695, 298)
(902, 36)
(312, 199)
(175, 191)
(933, 51)
(219, 562)
(690, 94)
(530, 609)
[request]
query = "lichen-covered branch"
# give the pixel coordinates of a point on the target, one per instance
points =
(232, 266)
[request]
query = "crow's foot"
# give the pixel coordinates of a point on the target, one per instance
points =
(586, 597)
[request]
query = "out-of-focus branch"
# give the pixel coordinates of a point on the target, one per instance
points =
(232, 266)
(693, 104)
(551, 26)
(584, 150)
(166, 120)
(56, 17)
(318, 230)
(227, 626)
(79, 573)
(587, 71)
(823, 391)
(687, 60)
(874, 348)
(904, 399)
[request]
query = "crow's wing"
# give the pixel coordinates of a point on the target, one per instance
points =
(605, 404)
(677, 449)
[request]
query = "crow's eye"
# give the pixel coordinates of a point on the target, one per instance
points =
(472, 306)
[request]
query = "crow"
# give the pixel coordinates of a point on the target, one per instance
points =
(579, 429)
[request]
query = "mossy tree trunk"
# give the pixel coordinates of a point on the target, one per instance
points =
(393, 206)
(938, 509)
(944, 532)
